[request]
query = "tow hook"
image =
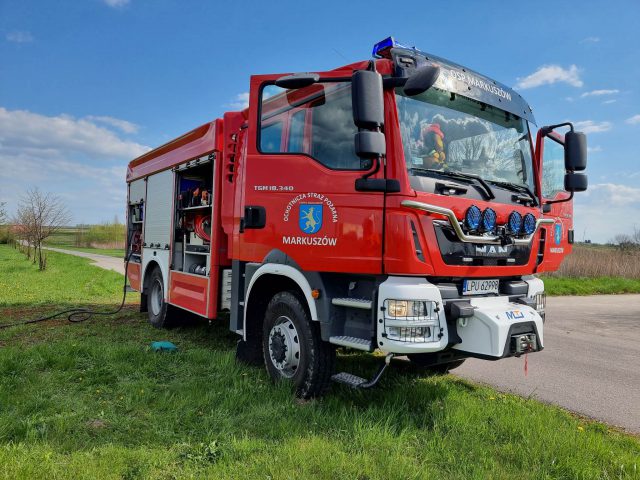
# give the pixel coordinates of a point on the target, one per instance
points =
(355, 381)
(523, 343)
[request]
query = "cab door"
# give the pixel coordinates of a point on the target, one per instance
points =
(299, 172)
(557, 238)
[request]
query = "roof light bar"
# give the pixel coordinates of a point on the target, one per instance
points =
(383, 49)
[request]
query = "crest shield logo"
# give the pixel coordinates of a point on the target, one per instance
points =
(310, 220)
(558, 233)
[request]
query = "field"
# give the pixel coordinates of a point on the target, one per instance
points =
(106, 239)
(596, 269)
(106, 235)
(91, 400)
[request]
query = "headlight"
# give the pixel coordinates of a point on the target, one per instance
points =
(406, 308)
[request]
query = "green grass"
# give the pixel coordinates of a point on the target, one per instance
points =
(590, 286)
(91, 400)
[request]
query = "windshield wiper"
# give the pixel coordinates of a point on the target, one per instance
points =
(517, 188)
(486, 190)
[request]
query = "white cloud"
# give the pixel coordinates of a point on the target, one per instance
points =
(603, 206)
(549, 74)
(240, 102)
(590, 40)
(589, 126)
(600, 92)
(122, 125)
(633, 120)
(595, 149)
(116, 3)
(19, 37)
(23, 129)
(607, 102)
(78, 159)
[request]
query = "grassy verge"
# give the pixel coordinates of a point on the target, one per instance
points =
(590, 286)
(91, 400)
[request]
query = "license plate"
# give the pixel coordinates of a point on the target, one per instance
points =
(480, 287)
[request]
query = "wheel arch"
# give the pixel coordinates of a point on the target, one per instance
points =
(266, 282)
(152, 265)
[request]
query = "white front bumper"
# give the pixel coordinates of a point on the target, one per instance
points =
(485, 334)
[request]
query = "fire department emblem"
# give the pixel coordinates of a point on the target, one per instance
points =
(310, 220)
(558, 233)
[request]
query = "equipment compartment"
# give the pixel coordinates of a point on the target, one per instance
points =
(193, 210)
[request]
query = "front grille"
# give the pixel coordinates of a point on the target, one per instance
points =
(455, 252)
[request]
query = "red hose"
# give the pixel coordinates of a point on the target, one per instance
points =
(198, 226)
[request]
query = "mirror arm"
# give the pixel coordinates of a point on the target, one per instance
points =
(551, 202)
(374, 170)
(548, 129)
(393, 82)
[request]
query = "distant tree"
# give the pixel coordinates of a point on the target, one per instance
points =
(39, 216)
(625, 241)
(3, 213)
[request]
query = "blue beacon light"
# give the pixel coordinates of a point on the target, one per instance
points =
(381, 49)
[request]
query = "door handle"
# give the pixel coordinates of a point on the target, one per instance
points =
(255, 216)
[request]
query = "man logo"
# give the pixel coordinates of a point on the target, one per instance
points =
(310, 221)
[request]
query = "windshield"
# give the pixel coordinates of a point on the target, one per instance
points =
(447, 132)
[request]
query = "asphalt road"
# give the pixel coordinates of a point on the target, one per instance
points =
(590, 364)
(103, 261)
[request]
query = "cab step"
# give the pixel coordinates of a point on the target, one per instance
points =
(352, 342)
(349, 379)
(357, 382)
(352, 302)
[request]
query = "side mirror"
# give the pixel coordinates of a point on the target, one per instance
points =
(575, 151)
(367, 99)
(575, 182)
(421, 80)
(370, 144)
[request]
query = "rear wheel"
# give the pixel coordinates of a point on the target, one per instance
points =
(159, 311)
(293, 349)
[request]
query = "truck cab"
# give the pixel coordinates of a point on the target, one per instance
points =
(398, 204)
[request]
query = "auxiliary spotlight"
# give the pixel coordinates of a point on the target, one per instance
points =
(529, 224)
(489, 220)
(515, 222)
(472, 217)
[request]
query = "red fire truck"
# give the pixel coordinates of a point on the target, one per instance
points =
(395, 204)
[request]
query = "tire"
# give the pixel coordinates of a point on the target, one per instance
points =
(158, 310)
(426, 360)
(293, 348)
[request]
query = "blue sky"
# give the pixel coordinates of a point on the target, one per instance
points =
(87, 85)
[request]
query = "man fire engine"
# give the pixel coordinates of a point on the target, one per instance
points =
(395, 204)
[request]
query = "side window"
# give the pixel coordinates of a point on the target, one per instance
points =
(271, 137)
(296, 132)
(552, 168)
(329, 133)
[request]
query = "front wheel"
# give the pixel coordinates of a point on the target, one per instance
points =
(293, 348)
